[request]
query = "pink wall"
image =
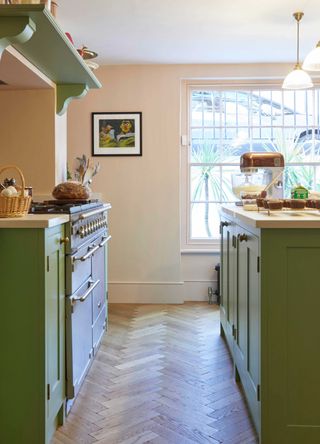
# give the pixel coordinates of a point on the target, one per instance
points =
(27, 128)
(145, 191)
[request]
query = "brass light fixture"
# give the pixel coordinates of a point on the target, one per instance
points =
(298, 78)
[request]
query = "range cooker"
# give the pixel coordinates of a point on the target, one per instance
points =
(86, 236)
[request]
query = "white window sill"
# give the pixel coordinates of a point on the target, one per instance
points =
(213, 250)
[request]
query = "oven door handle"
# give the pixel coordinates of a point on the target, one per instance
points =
(91, 213)
(87, 255)
(105, 240)
(92, 286)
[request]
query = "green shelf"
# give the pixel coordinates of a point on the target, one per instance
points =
(33, 31)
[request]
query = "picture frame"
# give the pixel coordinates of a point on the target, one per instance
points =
(116, 133)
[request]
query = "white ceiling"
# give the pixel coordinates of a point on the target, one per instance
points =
(191, 31)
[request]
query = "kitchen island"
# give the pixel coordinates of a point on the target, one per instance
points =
(270, 305)
(32, 370)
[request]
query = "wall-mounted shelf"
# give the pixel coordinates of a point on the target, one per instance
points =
(33, 31)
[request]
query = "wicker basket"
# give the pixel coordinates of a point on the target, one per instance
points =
(16, 206)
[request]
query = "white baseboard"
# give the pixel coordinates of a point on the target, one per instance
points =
(159, 292)
(146, 292)
(198, 290)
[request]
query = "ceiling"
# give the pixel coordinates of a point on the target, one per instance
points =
(191, 31)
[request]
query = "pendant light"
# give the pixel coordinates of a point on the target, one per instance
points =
(312, 61)
(298, 78)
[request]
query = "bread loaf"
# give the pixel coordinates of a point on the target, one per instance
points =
(71, 190)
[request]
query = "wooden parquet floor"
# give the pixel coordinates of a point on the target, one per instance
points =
(163, 375)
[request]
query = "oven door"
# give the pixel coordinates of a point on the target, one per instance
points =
(79, 335)
(79, 265)
(99, 300)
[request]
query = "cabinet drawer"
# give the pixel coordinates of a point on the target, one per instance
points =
(98, 301)
(78, 271)
(79, 339)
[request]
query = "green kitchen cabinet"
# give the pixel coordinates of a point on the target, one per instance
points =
(32, 371)
(240, 305)
(246, 346)
(227, 302)
(276, 335)
(290, 362)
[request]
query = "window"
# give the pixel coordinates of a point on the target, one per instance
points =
(223, 124)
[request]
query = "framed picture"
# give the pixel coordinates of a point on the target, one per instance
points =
(117, 134)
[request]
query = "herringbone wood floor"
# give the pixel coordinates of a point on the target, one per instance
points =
(162, 375)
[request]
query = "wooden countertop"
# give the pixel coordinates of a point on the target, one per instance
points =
(277, 219)
(34, 221)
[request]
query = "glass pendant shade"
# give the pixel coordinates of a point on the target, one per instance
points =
(312, 61)
(297, 79)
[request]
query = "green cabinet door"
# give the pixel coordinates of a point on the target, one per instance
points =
(55, 328)
(247, 332)
(227, 302)
(290, 366)
(31, 334)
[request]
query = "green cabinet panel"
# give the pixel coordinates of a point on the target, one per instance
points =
(247, 333)
(240, 306)
(55, 324)
(227, 279)
(31, 334)
(291, 336)
(276, 335)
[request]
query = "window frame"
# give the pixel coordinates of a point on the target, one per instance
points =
(199, 245)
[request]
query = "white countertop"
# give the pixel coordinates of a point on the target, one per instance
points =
(34, 221)
(277, 219)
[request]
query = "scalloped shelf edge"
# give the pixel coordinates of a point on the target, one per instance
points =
(26, 27)
(68, 92)
(15, 30)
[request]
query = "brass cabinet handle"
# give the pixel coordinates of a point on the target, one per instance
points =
(64, 240)
(99, 304)
(243, 237)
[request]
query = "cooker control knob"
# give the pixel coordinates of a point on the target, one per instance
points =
(95, 225)
(81, 232)
(86, 232)
(90, 228)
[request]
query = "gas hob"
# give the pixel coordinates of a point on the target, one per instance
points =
(64, 206)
